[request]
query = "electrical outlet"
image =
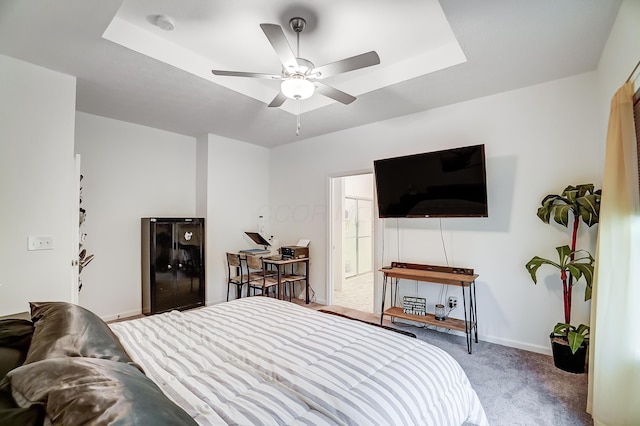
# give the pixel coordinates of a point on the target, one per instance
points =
(453, 302)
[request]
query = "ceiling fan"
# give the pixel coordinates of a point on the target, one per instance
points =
(300, 78)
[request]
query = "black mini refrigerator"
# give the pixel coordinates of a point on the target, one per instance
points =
(172, 264)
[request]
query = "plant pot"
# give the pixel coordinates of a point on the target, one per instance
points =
(564, 359)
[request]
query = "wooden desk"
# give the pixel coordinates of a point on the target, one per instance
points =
(462, 277)
(281, 264)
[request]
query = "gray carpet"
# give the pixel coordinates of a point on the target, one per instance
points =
(516, 387)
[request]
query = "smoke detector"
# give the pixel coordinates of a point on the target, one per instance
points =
(165, 22)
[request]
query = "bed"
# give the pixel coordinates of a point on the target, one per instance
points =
(264, 361)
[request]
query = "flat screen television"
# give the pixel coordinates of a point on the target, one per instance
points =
(448, 183)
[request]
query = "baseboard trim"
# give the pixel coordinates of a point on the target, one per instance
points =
(122, 315)
(491, 339)
(518, 345)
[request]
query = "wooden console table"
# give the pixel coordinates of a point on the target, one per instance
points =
(462, 277)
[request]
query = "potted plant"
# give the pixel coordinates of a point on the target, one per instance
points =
(581, 203)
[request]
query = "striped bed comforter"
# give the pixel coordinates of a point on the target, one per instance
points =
(259, 360)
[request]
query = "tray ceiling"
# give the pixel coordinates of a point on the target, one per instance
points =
(432, 54)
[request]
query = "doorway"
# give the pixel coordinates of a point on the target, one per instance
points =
(352, 235)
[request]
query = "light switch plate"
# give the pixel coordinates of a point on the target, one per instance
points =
(41, 242)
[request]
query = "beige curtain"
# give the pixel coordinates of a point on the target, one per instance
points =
(614, 352)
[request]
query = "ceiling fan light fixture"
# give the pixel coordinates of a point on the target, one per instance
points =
(297, 87)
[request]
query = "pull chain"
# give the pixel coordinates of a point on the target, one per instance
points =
(297, 98)
(298, 119)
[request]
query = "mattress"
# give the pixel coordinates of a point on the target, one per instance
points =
(264, 361)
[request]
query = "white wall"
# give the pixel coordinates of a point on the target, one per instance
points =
(621, 53)
(130, 171)
(37, 181)
(359, 186)
(538, 140)
(238, 176)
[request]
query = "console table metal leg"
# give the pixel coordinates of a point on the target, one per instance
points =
(467, 318)
(306, 285)
(384, 293)
(475, 313)
(394, 296)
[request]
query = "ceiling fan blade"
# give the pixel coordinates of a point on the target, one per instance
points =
(278, 100)
(349, 64)
(246, 74)
(333, 93)
(280, 44)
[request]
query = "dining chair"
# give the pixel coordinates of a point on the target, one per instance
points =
(236, 275)
(260, 278)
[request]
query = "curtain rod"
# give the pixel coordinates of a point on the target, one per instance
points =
(633, 72)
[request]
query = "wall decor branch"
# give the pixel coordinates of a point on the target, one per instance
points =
(83, 257)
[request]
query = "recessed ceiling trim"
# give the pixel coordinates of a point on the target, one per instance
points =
(398, 59)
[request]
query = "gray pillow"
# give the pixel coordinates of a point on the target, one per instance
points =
(81, 391)
(67, 330)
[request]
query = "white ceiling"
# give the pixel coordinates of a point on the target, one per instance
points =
(432, 54)
(199, 45)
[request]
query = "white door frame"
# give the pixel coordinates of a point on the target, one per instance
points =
(334, 197)
(75, 234)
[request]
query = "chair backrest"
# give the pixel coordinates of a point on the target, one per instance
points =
(254, 262)
(233, 259)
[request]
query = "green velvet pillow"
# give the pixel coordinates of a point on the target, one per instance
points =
(15, 335)
(67, 330)
(81, 391)
(10, 358)
(11, 414)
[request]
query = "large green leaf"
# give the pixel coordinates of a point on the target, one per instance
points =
(575, 336)
(578, 270)
(583, 329)
(570, 193)
(564, 255)
(584, 189)
(580, 200)
(575, 340)
(589, 207)
(561, 214)
(561, 329)
(587, 292)
(581, 266)
(544, 212)
(582, 269)
(534, 264)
